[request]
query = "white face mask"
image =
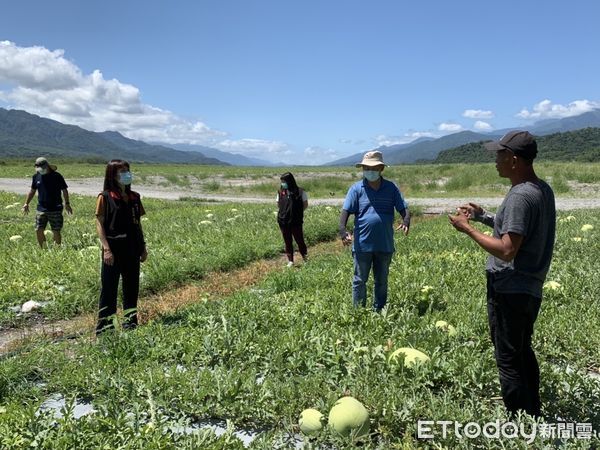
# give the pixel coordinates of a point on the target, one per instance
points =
(371, 175)
(41, 170)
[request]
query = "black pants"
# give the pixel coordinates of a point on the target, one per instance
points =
(511, 318)
(126, 265)
(287, 232)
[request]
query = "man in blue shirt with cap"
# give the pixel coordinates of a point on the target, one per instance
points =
(372, 201)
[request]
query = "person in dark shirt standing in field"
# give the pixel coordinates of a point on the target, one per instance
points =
(49, 184)
(292, 201)
(118, 223)
(520, 251)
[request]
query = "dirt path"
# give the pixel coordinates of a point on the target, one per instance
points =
(214, 286)
(91, 186)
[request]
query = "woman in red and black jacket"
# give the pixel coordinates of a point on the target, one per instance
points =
(292, 202)
(118, 213)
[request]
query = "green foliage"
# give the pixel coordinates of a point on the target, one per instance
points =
(185, 240)
(260, 357)
(580, 145)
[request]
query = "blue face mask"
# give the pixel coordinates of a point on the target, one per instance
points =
(371, 175)
(284, 186)
(125, 178)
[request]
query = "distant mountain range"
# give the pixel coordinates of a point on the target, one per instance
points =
(428, 150)
(418, 150)
(589, 119)
(230, 158)
(579, 145)
(26, 135)
(353, 159)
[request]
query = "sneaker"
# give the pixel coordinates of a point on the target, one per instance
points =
(290, 264)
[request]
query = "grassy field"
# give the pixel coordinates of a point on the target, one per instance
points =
(427, 180)
(185, 239)
(261, 356)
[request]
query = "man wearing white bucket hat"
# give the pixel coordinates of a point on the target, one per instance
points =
(372, 200)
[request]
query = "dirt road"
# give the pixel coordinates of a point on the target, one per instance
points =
(91, 186)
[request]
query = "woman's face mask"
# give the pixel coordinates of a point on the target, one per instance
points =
(41, 170)
(284, 185)
(371, 175)
(125, 178)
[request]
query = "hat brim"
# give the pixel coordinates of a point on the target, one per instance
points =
(52, 167)
(370, 164)
(494, 146)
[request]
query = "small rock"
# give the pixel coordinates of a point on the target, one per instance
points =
(30, 306)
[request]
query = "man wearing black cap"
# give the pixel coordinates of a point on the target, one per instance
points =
(49, 184)
(520, 251)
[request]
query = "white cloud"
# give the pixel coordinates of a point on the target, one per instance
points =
(315, 155)
(482, 126)
(255, 147)
(419, 134)
(546, 110)
(387, 140)
(450, 127)
(478, 114)
(37, 67)
(44, 82)
(320, 152)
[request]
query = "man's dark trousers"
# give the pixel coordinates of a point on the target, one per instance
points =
(511, 318)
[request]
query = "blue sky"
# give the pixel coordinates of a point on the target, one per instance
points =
(299, 81)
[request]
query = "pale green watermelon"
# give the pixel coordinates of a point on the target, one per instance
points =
(311, 421)
(347, 416)
(410, 356)
(445, 326)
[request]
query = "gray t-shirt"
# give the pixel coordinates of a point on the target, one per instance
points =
(527, 210)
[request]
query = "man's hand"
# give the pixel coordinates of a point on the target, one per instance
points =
(460, 221)
(144, 255)
(108, 257)
(25, 209)
(68, 209)
(471, 210)
(402, 228)
(347, 239)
